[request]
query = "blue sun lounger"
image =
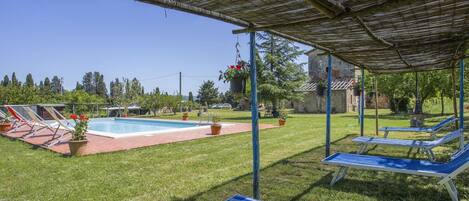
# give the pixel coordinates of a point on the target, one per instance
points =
(425, 146)
(432, 130)
(240, 198)
(446, 172)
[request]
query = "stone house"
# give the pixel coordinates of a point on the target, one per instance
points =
(343, 76)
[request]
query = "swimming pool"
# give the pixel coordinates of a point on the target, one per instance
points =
(127, 127)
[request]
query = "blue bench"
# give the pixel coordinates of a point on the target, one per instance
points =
(425, 146)
(240, 198)
(432, 130)
(446, 172)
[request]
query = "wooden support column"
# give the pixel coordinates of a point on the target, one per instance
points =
(254, 119)
(362, 102)
(461, 104)
(455, 102)
(376, 106)
(328, 104)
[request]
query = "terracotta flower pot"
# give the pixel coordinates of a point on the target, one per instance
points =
(77, 148)
(185, 117)
(282, 122)
(216, 128)
(4, 127)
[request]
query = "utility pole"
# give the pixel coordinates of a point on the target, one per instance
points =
(180, 91)
(180, 84)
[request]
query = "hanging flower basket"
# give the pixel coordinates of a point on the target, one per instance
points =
(237, 85)
(236, 75)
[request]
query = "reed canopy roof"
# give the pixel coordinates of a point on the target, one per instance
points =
(386, 36)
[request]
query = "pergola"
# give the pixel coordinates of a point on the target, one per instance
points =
(382, 36)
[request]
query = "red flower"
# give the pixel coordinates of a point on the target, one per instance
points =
(82, 117)
(238, 67)
(73, 116)
(232, 66)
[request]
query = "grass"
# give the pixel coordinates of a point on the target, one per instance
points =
(215, 168)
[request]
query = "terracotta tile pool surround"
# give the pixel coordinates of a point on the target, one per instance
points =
(102, 144)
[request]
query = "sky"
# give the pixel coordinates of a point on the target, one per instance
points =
(119, 38)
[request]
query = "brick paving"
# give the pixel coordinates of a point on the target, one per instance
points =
(101, 144)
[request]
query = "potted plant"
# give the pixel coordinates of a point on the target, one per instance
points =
(216, 126)
(185, 116)
(236, 75)
(320, 87)
(5, 125)
(78, 141)
(282, 118)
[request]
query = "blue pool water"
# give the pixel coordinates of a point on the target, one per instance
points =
(128, 126)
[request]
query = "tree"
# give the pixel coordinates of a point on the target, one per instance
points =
(5, 81)
(99, 85)
(87, 83)
(170, 101)
(47, 85)
(93, 83)
(191, 97)
(400, 88)
(78, 86)
(41, 85)
(14, 80)
(80, 99)
(279, 74)
(136, 88)
(116, 91)
(228, 97)
(151, 102)
(29, 80)
(56, 85)
(208, 93)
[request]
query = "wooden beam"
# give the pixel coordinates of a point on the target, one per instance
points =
(363, 11)
(176, 5)
(380, 40)
(446, 41)
(370, 33)
(329, 8)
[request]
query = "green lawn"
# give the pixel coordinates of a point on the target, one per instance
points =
(215, 168)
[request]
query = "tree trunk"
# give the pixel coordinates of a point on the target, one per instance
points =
(442, 99)
(275, 112)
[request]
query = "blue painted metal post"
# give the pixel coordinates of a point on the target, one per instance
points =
(255, 119)
(328, 104)
(362, 102)
(461, 103)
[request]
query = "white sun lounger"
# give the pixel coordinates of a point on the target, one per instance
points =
(62, 122)
(38, 121)
(3, 114)
(19, 120)
(425, 146)
(432, 130)
(446, 172)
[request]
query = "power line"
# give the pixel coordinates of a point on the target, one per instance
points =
(160, 77)
(200, 76)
